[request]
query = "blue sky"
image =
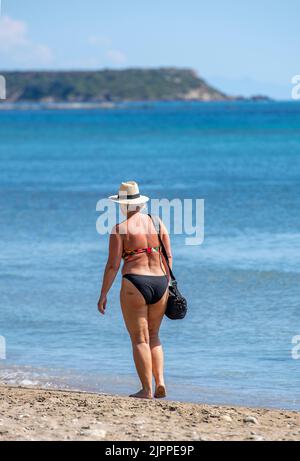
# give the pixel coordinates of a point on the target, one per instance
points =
(242, 47)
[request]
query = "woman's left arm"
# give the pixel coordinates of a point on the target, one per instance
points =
(111, 268)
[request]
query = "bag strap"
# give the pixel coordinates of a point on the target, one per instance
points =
(156, 223)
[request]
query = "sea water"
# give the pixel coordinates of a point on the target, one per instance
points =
(242, 283)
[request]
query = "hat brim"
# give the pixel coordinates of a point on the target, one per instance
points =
(135, 201)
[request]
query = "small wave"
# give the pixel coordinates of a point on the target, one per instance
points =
(179, 389)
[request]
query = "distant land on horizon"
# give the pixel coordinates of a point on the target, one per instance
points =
(111, 86)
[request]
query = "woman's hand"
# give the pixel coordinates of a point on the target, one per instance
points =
(102, 304)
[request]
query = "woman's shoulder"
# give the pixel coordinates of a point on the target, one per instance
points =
(120, 229)
(116, 229)
(157, 222)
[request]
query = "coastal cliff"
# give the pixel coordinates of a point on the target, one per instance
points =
(162, 84)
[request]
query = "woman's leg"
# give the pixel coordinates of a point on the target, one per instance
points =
(155, 316)
(135, 313)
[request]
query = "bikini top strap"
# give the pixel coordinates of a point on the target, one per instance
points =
(156, 222)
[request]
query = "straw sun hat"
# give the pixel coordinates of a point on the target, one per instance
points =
(129, 194)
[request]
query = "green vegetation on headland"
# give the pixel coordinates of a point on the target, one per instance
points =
(109, 86)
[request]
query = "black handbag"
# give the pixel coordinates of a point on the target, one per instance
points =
(176, 304)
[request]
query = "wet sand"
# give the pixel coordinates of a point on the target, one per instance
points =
(36, 414)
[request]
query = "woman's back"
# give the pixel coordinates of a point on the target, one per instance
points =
(141, 246)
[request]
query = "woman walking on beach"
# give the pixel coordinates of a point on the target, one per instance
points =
(144, 290)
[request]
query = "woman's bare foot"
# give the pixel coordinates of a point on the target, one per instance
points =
(142, 394)
(160, 391)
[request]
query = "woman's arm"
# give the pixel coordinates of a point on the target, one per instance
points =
(111, 268)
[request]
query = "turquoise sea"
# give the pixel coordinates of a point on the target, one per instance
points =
(242, 283)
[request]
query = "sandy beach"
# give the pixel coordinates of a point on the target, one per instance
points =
(37, 414)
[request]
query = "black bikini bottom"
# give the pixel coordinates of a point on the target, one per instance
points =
(152, 287)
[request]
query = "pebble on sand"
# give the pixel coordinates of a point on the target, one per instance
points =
(226, 418)
(250, 419)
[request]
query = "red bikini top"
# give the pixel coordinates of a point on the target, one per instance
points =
(127, 253)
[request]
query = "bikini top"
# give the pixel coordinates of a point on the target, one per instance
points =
(127, 253)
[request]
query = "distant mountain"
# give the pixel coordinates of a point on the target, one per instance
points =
(162, 84)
